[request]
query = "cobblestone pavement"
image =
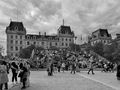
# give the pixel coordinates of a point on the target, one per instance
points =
(66, 81)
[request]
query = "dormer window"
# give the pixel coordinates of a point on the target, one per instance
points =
(28, 37)
(34, 37)
(16, 28)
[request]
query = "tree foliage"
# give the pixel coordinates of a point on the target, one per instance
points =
(26, 52)
(98, 48)
(74, 47)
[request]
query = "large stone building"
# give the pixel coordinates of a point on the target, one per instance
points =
(117, 40)
(100, 35)
(18, 39)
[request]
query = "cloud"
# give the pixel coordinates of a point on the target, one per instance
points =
(84, 16)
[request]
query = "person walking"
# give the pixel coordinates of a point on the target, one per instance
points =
(73, 67)
(3, 76)
(91, 68)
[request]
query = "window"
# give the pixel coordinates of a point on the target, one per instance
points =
(66, 44)
(66, 39)
(69, 39)
(56, 44)
(28, 37)
(50, 44)
(16, 36)
(62, 39)
(28, 43)
(11, 48)
(20, 42)
(11, 36)
(20, 48)
(34, 37)
(11, 54)
(42, 43)
(20, 37)
(16, 54)
(11, 41)
(16, 28)
(16, 48)
(34, 43)
(62, 44)
(16, 42)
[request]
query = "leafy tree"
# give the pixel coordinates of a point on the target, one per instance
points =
(54, 48)
(74, 47)
(116, 55)
(111, 51)
(98, 48)
(1, 51)
(26, 52)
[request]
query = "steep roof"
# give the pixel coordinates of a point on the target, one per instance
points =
(102, 32)
(65, 29)
(42, 37)
(14, 24)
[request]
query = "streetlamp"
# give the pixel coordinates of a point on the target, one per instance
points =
(75, 42)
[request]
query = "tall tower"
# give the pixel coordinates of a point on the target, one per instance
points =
(15, 38)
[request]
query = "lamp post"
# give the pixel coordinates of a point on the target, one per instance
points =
(75, 43)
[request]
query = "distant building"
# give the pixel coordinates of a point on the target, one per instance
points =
(18, 39)
(117, 39)
(100, 35)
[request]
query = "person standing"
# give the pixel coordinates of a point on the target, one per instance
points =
(59, 66)
(63, 66)
(24, 75)
(3, 76)
(14, 68)
(73, 68)
(118, 71)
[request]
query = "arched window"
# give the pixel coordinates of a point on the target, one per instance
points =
(66, 39)
(34, 37)
(28, 43)
(16, 28)
(28, 37)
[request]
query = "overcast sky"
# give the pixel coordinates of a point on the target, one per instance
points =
(84, 16)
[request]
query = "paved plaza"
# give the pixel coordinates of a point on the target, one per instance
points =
(66, 81)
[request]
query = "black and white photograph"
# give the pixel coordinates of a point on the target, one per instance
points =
(59, 44)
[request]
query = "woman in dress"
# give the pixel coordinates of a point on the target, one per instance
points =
(3, 76)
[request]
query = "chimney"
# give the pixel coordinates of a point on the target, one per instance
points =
(39, 33)
(45, 33)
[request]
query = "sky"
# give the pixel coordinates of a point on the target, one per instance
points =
(83, 16)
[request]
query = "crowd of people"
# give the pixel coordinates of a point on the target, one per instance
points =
(54, 61)
(18, 69)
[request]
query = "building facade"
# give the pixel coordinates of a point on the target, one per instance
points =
(17, 38)
(100, 35)
(117, 40)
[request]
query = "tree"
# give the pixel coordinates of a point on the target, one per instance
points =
(26, 52)
(98, 48)
(111, 51)
(54, 48)
(74, 47)
(116, 55)
(1, 51)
